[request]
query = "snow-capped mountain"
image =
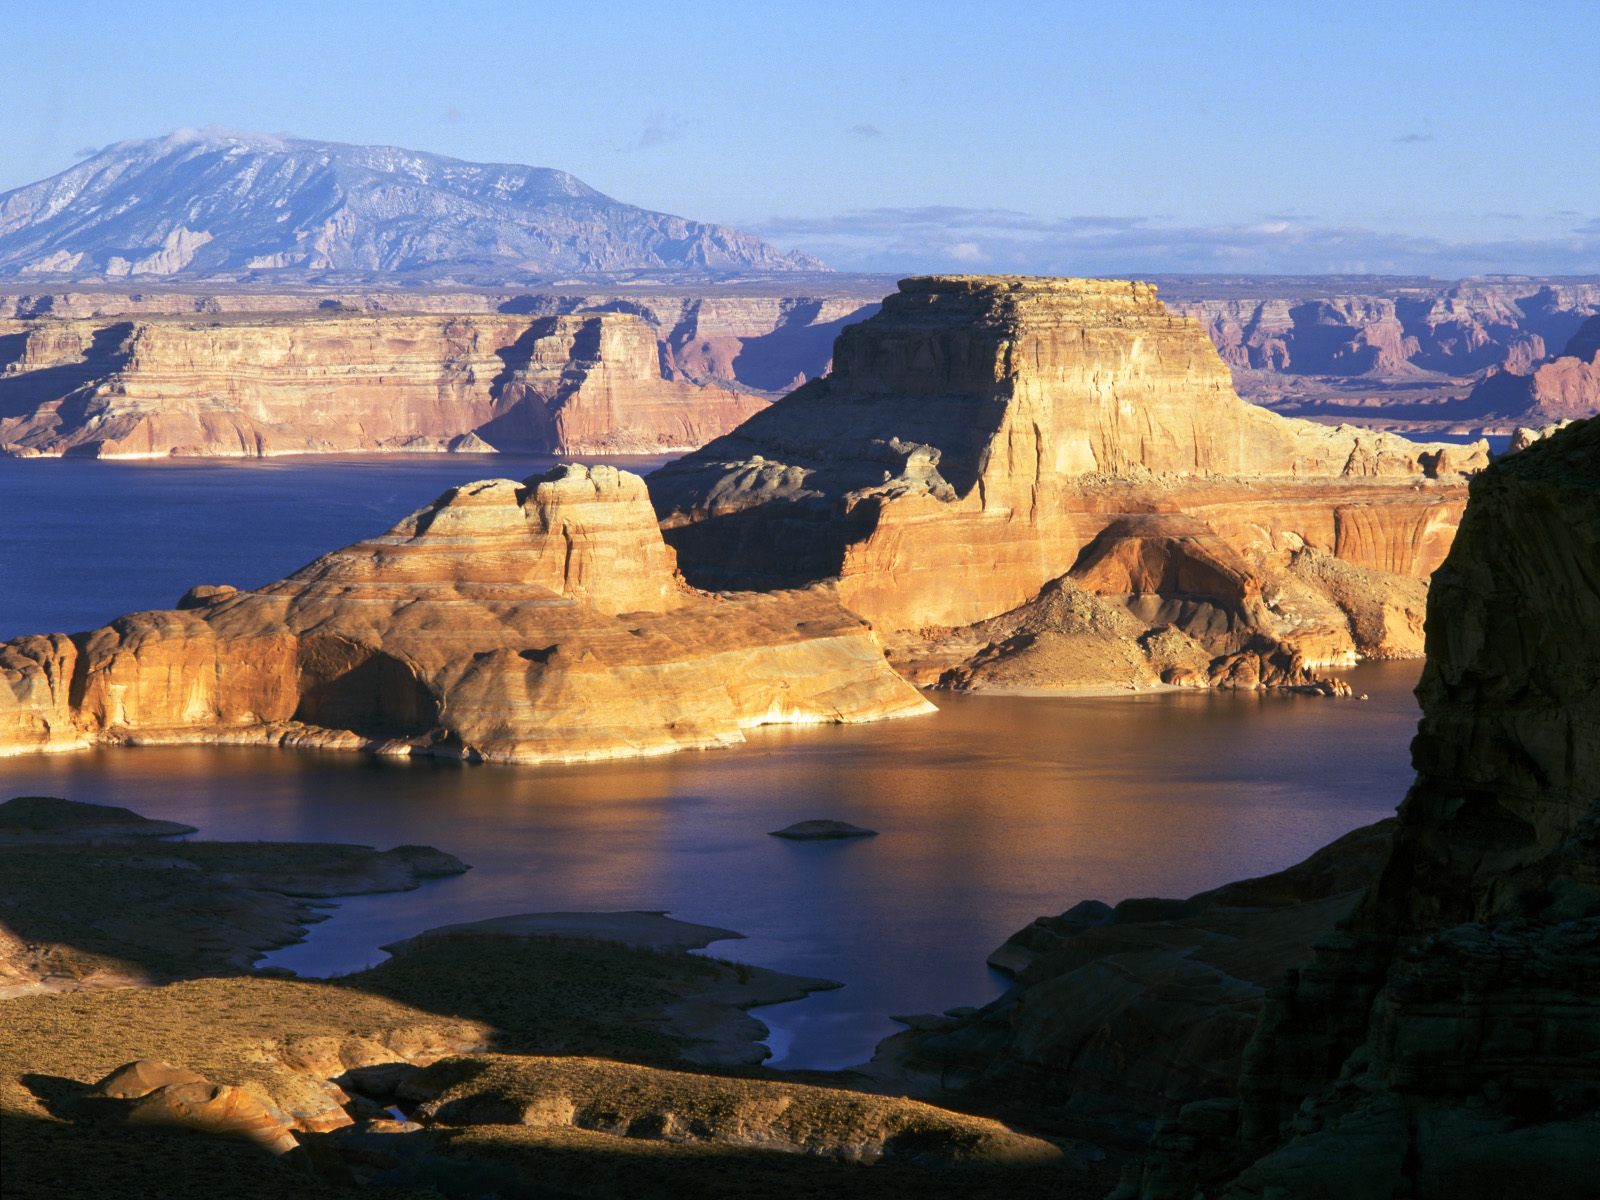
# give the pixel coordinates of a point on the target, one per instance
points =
(218, 205)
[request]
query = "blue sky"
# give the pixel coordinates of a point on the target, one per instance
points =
(1085, 137)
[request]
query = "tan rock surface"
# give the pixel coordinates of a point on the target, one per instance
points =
(672, 1106)
(531, 622)
(341, 382)
(979, 433)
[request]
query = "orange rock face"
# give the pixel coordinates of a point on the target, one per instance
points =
(528, 622)
(1562, 388)
(587, 384)
(980, 432)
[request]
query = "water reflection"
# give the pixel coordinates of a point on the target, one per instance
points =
(990, 813)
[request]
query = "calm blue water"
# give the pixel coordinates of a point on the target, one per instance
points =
(82, 542)
(991, 812)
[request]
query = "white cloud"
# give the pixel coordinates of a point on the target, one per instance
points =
(658, 129)
(933, 238)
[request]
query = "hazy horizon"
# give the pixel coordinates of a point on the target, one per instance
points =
(1153, 138)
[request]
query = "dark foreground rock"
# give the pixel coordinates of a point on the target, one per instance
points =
(1429, 1027)
(92, 896)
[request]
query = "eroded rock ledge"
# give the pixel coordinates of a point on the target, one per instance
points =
(521, 622)
(982, 438)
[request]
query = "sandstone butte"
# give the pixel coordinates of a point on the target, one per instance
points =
(1006, 473)
(520, 622)
(580, 383)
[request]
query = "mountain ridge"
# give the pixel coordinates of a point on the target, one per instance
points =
(219, 205)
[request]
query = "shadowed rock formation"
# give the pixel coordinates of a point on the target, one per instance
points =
(979, 435)
(540, 621)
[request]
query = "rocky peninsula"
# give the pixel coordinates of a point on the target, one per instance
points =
(540, 621)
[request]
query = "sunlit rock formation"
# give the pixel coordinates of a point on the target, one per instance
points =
(587, 383)
(534, 621)
(981, 434)
(1565, 387)
(1398, 353)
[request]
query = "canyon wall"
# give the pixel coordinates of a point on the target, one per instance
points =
(249, 373)
(979, 433)
(566, 384)
(1563, 387)
(523, 622)
(1393, 353)
(1397, 354)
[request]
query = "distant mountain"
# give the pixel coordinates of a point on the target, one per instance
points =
(214, 205)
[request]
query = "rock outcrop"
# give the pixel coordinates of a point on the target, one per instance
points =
(528, 622)
(760, 336)
(980, 435)
(1565, 387)
(1395, 353)
(582, 383)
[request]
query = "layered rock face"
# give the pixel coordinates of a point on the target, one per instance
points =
(529, 622)
(979, 433)
(1565, 387)
(763, 337)
(1394, 353)
(1384, 328)
(581, 383)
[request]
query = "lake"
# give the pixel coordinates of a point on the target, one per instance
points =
(991, 812)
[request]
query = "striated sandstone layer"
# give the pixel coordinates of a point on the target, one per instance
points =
(589, 383)
(1394, 353)
(979, 434)
(528, 622)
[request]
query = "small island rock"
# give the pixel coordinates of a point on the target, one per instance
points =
(821, 831)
